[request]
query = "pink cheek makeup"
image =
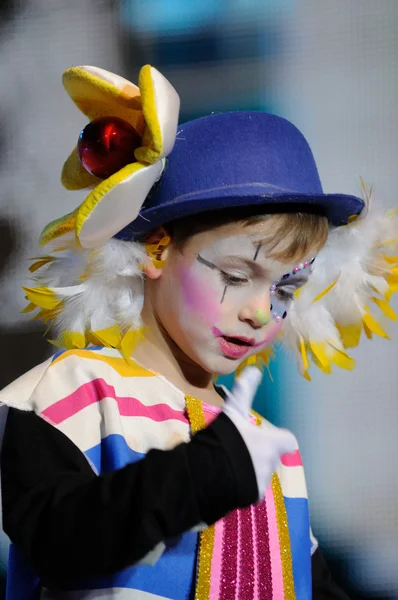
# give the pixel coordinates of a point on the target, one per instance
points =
(198, 295)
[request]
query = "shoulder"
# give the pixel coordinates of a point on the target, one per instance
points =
(65, 372)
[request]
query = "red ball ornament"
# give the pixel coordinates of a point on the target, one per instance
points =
(106, 145)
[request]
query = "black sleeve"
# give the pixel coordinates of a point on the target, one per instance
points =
(72, 524)
(323, 586)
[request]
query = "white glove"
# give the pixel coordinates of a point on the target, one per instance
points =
(265, 443)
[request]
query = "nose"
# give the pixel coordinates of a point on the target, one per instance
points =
(258, 313)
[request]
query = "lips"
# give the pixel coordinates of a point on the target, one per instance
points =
(233, 346)
(233, 349)
(239, 340)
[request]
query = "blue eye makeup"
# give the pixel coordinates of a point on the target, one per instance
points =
(283, 290)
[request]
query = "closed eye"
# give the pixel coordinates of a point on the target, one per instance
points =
(232, 279)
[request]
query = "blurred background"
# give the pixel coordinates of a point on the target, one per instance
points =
(331, 68)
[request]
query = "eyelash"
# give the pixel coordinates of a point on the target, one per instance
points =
(232, 279)
(284, 294)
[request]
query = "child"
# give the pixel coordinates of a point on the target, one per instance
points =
(126, 472)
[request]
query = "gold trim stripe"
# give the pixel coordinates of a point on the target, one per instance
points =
(206, 544)
(284, 539)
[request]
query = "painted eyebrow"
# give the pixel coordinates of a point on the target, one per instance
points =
(292, 280)
(205, 262)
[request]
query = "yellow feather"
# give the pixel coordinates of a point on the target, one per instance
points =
(373, 325)
(155, 252)
(392, 260)
(41, 262)
(393, 289)
(42, 297)
(319, 350)
(385, 308)
(30, 308)
(367, 331)
(130, 341)
(342, 360)
(303, 353)
(47, 315)
(56, 343)
(110, 337)
(260, 360)
(350, 334)
(325, 291)
(73, 339)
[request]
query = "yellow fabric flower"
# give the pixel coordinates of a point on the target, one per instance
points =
(152, 108)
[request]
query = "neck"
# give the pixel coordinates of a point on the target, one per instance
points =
(160, 353)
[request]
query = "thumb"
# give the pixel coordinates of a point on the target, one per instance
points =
(244, 390)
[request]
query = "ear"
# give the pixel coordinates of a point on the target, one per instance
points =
(157, 249)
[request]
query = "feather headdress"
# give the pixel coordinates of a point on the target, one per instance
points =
(92, 297)
(96, 296)
(354, 273)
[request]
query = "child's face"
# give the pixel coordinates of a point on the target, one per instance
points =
(221, 299)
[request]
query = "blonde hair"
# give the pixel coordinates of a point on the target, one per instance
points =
(291, 236)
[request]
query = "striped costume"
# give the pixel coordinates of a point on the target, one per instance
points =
(115, 413)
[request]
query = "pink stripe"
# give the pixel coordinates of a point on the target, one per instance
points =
(292, 460)
(95, 391)
(255, 554)
(229, 569)
(275, 551)
(264, 579)
(246, 557)
(216, 560)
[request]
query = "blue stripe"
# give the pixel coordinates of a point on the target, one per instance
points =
(22, 583)
(299, 528)
(171, 576)
(112, 453)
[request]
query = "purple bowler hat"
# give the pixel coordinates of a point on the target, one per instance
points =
(238, 159)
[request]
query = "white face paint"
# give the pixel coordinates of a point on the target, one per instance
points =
(220, 291)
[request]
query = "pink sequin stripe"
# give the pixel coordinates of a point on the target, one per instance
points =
(255, 550)
(216, 562)
(264, 582)
(229, 567)
(274, 545)
(246, 555)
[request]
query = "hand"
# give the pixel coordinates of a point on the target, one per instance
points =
(265, 443)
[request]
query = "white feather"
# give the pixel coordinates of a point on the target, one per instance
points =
(352, 256)
(99, 288)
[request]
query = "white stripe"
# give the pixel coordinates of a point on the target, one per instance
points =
(96, 421)
(293, 482)
(109, 594)
(65, 377)
(17, 394)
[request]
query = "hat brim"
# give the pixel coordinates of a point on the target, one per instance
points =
(338, 208)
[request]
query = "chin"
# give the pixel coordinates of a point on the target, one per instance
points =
(220, 365)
